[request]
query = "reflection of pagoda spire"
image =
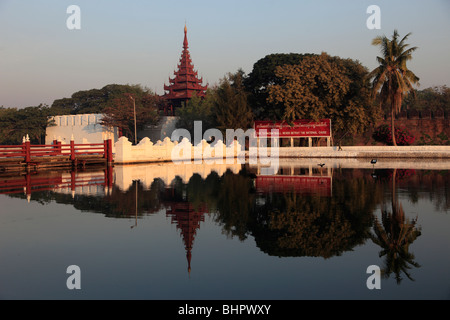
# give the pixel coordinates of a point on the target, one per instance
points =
(188, 221)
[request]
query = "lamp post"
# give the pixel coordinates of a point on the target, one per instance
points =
(134, 111)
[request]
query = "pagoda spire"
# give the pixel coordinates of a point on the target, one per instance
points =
(185, 83)
(185, 42)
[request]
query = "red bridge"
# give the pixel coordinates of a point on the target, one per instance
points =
(26, 156)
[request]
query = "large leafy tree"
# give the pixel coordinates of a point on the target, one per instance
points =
(262, 77)
(322, 86)
(392, 78)
(120, 112)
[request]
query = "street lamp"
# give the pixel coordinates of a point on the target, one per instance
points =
(134, 110)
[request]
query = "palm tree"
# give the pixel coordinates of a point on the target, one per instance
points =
(392, 75)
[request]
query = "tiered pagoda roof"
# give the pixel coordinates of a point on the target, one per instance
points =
(186, 80)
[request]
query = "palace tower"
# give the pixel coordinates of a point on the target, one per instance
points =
(185, 82)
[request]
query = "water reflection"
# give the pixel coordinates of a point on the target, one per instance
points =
(302, 211)
(395, 233)
(317, 224)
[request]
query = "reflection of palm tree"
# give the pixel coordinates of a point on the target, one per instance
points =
(394, 235)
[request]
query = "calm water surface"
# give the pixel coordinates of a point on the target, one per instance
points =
(216, 232)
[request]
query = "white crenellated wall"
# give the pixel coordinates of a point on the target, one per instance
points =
(166, 150)
(85, 128)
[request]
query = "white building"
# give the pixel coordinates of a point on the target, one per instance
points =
(84, 128)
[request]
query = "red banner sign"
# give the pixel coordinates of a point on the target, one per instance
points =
(299, 129)
(298, 184)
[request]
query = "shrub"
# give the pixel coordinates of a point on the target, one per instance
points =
(402, 136)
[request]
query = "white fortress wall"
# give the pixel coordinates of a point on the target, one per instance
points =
(84, 128)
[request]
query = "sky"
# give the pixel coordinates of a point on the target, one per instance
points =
(140, 41)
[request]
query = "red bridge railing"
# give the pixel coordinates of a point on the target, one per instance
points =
(32, 153)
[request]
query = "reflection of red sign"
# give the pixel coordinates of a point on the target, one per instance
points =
(297, 184)
(299, 128)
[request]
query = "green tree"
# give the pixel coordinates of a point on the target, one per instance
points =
(121, 112)
(17, 123)
(262, 77)
(232, 110)
(392, 78)
(432, 99)
(95, 100)
(197, 109)
(322, 86)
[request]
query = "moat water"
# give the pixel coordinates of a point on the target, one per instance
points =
(204, 232)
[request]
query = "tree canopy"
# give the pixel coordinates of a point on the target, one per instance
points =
(120, 112)
(95, 100)
(17, 123)
(262, 77)
(232, 110)
(197, 109)
(321, 86)
(224, 107)
(432, 99)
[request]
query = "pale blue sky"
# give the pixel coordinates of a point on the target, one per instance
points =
(140, 41)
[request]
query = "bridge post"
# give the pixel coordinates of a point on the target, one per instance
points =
(57, 147)
(108, 151)
(27, 147)
(72, 150)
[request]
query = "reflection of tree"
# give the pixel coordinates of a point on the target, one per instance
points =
(303, 228)
(293, 224)
(117, 204)
(235, 200)
(394, 235)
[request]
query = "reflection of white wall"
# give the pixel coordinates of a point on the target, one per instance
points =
(167, 172)
(85, 128)
(93, 183)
